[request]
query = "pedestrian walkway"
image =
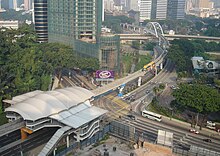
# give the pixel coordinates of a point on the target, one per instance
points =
(187, 126)
(115, 84)
(54, 140)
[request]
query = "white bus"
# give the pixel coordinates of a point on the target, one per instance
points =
(151, 115)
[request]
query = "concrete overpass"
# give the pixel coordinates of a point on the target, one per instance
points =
(169, 37)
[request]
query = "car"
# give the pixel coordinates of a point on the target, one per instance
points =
(131, 116)
(128, 98)
(210, 123)
(147, 92)
(194, 131)
(207, 140)
(173, 87)
(132, 100)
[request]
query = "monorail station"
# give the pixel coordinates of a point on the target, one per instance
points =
(69, 109)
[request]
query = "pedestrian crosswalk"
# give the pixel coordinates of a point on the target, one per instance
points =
(116, 106)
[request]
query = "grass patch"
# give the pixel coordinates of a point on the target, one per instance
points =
(143, 60)
(127, 61)
(214, 57)
(3, 119)
(156, 108)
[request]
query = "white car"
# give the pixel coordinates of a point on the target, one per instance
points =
(173, 87)
(194, 131)
(210, 123)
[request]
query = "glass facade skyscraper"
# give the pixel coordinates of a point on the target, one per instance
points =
(176, 9)
(74, 19)
(77, 23)
(159, 9)
(145, 9)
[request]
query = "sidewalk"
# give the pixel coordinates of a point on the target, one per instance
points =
(187, 126)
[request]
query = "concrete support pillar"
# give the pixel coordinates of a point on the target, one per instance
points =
(155, 70)
(67, 141)
(161, 65)
(54, 151)
(23, 134)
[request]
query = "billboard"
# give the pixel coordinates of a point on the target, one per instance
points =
(104, 75)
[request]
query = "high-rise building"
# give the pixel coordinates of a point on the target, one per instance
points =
(77, 23)
(189, 6)
(27, 4)
(40, 16)
(204, 4)
(145, 9)
(159, 9)
(176, 9)
(0, 4)
(12, 4)
(77, 19)
(109, 5)
(134, 5)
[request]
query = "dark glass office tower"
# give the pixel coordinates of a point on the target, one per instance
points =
(176, 9)
(41, 24)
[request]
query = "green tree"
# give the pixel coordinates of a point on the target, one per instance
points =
(113, 22)
(15, 15)
(135, 44)
(200, 99)
(149, 46)
(26, 65)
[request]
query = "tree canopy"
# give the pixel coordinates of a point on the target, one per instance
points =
(181, 51)
(198, 98)
(15, 15)
(113, 22)
(26, 65)
(191, 25)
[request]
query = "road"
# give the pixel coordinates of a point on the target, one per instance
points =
(9, 138)
(166, 76)
(119, 109)
(181, 133)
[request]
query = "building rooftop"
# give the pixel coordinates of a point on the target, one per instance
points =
(38, 104)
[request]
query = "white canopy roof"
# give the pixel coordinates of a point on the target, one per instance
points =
(79, 115)
(40, 104)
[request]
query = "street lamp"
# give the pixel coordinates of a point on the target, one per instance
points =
(21, 150)
(171, 109)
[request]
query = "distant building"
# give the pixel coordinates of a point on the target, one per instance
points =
(9, 24)
(176, 9)
(109, 5)
(206, 66)
(40, 17)
(134, 5)
(12, 4)
(145, 9)
(27, 4)
(159, 9)
(204, 4)
(134, 15)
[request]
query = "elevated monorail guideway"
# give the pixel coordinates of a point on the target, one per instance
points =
(154, 29)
